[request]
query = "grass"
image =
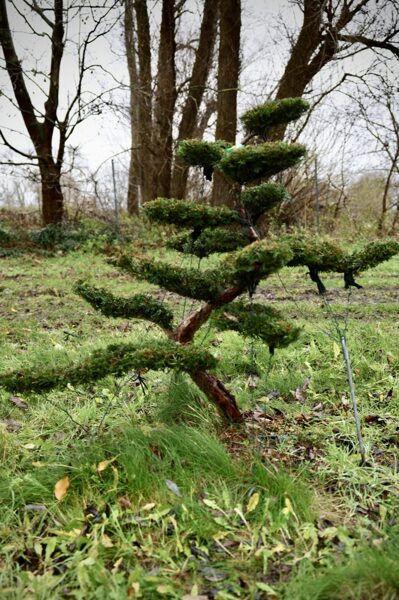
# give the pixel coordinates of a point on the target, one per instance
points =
(164, 500)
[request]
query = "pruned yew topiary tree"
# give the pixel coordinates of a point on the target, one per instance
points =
(225, 291)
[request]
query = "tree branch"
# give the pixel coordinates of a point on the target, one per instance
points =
(57, 49)
(14, 149)
(369, 42)
(14, 69)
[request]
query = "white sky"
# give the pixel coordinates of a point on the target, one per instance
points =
(264, 51)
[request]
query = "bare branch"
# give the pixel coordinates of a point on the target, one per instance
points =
(370, 43)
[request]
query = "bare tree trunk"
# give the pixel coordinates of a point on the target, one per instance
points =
(145, 102)
(133, 190)
(52, 196)
(40, 132)
(165, 103)
(199, 76)
(384, 202)
(298, 73)
(318, 43)
(228, 74)
(138, 55)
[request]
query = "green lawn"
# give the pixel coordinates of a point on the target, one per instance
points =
(166, 501)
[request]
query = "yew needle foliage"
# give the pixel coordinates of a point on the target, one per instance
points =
(247, 260)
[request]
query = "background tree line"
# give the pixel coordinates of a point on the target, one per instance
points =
(185, 72)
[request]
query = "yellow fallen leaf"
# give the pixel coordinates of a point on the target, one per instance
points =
(164, 589)
(28, 446)
(278, 548)
(61, 487)
(148, 506)
(134, 590)
(116, 566)
(106, 541)
(253, 502)
(336, 350)
(104, 464)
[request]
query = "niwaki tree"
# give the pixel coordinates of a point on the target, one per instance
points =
(51, 121)
(226, 290)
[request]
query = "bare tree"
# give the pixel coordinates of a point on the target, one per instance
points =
(228, 76)
(335, 30)
(376, 106)
(158, 103)
(48, 130)
(200, 72)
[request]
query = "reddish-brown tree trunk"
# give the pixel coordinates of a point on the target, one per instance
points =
(214, 389)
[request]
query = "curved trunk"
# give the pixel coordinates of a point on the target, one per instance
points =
(214, 389)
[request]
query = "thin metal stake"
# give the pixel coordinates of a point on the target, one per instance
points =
(353, 397)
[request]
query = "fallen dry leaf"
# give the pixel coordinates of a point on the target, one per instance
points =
(12, 426)
(104, 464)
(253, 502)
(61, 487)
(133, 590)
(28, 446)
(19, 403)
(124, 502)
(173, 487)
(300, 392)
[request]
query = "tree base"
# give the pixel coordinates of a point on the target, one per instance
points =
(216, 392)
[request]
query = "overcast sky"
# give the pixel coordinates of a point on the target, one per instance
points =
(264, 51)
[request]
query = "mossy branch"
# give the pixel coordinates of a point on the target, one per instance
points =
(192, 283)
(257, 261)
(210, 241)
(256, 321)
(186, 213)
(199, 153)
(322, 254)
(139, 306)
(259, 120)
(254, 162)
(116, 359)
(371, 255)
(259, 199)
